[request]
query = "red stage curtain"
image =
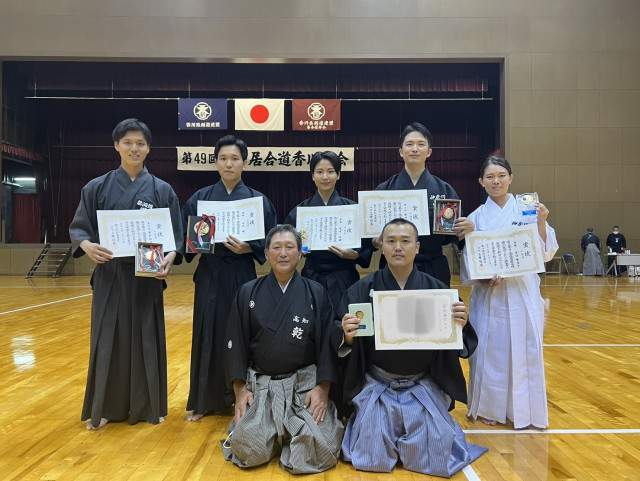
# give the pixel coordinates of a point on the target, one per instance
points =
(26, 219)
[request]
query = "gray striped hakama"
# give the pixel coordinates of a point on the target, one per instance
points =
(405, 420)
(278, 423)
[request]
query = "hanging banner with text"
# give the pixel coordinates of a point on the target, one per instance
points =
(270, 159)
(202, 114)
(315, 114)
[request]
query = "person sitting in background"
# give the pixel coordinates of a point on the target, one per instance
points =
(616, 244)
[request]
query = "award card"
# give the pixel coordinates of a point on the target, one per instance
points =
(243, 219)
(121, 230)
(508, 252)
(322, 227)
(377, 207)
(363, 312)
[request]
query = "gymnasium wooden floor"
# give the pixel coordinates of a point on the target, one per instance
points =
(592, 353)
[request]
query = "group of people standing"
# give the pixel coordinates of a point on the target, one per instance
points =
(280, 352)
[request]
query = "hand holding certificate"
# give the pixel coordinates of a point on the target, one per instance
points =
(243, 219)
(416, 319)
(324, 227)
(377, 207)
(121, 230)
(506, 252)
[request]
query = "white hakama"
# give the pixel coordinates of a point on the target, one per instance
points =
(506, 378)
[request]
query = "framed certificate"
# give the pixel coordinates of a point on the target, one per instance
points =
(508, 252)
(243, 218)
(323, 227)
(377, 207)
(418, 319)
(121, 230)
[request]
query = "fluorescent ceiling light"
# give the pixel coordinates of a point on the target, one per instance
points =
(24, 179)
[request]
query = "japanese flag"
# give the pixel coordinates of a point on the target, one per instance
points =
(259, 114)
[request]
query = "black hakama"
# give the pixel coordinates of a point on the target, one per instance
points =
(127, 376)
(217, 279)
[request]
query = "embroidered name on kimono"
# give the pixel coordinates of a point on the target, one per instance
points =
(297, 331)
(144, 205)
(436, 196)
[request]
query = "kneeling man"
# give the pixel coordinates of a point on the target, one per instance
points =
(280, 362)
(402, 397)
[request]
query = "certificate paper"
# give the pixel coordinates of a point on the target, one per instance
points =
(243, 218)
(420, 319)
(121, 230)
(377, 207)
(334, 226)
(507, 252)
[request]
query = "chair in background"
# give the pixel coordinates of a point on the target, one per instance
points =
(570, 264)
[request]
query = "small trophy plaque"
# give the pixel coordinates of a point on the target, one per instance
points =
(201, 234)
(445, 214)
(149, 258)
(526, 207)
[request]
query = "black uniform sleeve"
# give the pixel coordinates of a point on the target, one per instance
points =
(327, 360)
(84, 225)
(238, 331)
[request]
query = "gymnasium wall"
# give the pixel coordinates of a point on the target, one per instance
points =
(571, 70)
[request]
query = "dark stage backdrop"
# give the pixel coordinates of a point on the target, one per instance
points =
(378, 100)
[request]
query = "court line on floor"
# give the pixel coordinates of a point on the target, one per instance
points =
(45, 304)
(552, 431)
(591, 345)
(470, 473)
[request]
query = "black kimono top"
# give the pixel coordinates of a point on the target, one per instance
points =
(218, 192)
(326, 261)
(442, 365)
(278, 333)
(431, 245)
(116, 191)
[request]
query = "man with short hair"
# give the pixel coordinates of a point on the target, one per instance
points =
(415, 148)
(280, 363)
(217, 279)
(127, 376)
(616, 244)
(402, 397)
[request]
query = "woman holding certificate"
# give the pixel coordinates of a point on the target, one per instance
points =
(506, 378)
(335, 268)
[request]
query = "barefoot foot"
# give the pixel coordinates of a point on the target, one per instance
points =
(91, 427)
(489, 422)
(194, 416)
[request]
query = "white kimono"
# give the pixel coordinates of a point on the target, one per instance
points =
(506, 379)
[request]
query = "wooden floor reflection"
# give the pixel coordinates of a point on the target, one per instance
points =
(592, 353)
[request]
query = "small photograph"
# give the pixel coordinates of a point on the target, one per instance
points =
(149, 258)
(445, 214)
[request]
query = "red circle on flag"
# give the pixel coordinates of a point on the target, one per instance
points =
(259, 114)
